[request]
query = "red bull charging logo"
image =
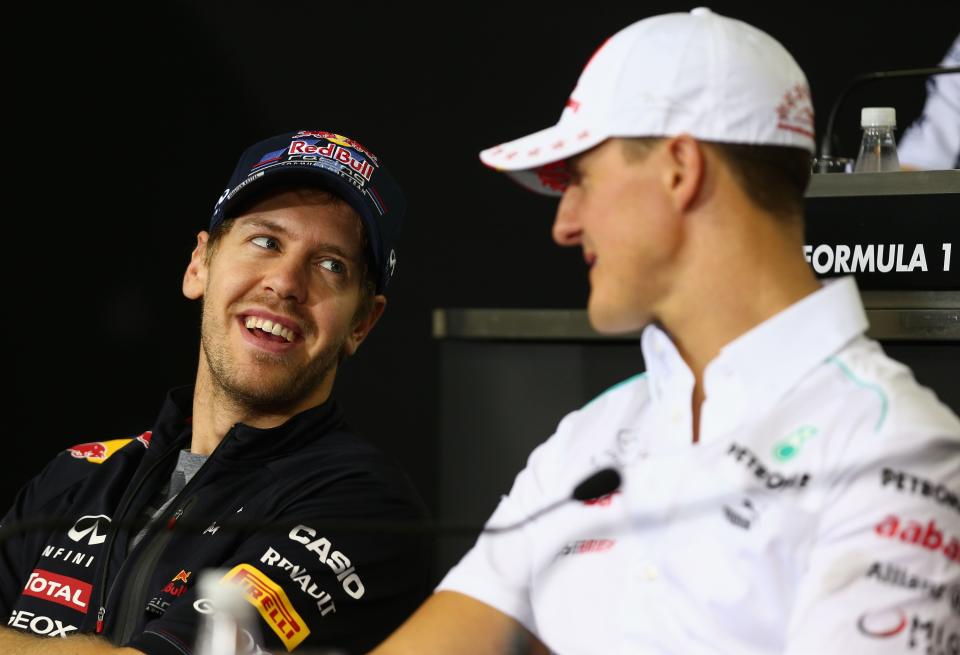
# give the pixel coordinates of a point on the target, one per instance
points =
(97, 452)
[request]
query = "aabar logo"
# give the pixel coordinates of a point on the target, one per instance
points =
(272, 603)
(928, 536)
(89, 528)
(59, 589)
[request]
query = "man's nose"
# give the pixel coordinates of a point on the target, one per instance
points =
(287, 278)
(566, 225)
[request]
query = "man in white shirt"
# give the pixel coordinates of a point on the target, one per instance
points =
(933, 140)
(787, 488)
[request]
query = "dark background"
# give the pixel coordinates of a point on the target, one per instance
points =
(127, 123)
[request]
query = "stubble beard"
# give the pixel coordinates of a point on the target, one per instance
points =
(279, 392)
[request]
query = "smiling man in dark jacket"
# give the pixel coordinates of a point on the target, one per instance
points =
(291, 274)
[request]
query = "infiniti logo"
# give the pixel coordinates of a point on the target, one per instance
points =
(89, 525)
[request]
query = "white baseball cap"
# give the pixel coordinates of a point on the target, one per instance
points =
(713, 77)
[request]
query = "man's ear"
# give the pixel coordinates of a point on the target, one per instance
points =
(195, 277)
(363, 326)
(685, 172)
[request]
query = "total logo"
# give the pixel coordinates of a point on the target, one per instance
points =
(59, 589)
(92, 528)
(39, 625)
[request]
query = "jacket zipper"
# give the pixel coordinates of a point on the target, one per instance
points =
(104, 594)
(136, 587)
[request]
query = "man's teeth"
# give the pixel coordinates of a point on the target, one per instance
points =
(270, 327)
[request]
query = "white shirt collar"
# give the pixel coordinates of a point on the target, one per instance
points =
(761, 365)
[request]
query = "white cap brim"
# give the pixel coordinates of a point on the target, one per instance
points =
(537, 161)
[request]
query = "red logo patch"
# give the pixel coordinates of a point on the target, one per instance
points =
(928, 536)
(59, 589)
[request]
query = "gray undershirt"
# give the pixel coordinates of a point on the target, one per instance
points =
(187, 466)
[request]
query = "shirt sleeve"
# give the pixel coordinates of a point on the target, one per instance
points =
(884, 573)
(933, 140)
(36, 499)
(315, 584)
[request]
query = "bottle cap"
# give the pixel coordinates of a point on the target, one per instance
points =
(878, 117)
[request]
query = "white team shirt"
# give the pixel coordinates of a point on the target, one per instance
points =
(933, 140)
(818, 513)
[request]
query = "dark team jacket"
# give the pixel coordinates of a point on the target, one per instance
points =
(315, 580)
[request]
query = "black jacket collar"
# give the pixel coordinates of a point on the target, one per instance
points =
(244, 442)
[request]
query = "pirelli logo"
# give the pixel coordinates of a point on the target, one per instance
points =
(272, 603)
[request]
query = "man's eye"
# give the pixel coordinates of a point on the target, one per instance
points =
(333, 265)
(265, 242)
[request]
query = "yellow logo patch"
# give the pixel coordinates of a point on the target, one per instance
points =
(272, 603)
(97, 452)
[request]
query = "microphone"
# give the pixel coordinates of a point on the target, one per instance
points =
(600, 483)
(603, 482)
(826, 143)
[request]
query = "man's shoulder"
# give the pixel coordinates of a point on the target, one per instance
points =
(620, 403)
(78, 464)
(892, 406)
(98, 452)
(596, 435)
(345, 465)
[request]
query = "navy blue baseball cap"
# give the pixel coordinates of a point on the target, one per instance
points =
(328, 161)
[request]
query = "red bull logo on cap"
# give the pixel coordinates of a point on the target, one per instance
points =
(339, 139)
(97, 452)
(335, 152)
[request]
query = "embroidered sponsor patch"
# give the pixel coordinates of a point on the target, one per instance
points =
(60, 589)
(272, 603)
(97, 452)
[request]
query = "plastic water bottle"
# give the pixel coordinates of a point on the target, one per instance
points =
(878, 148)
(228, 624)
